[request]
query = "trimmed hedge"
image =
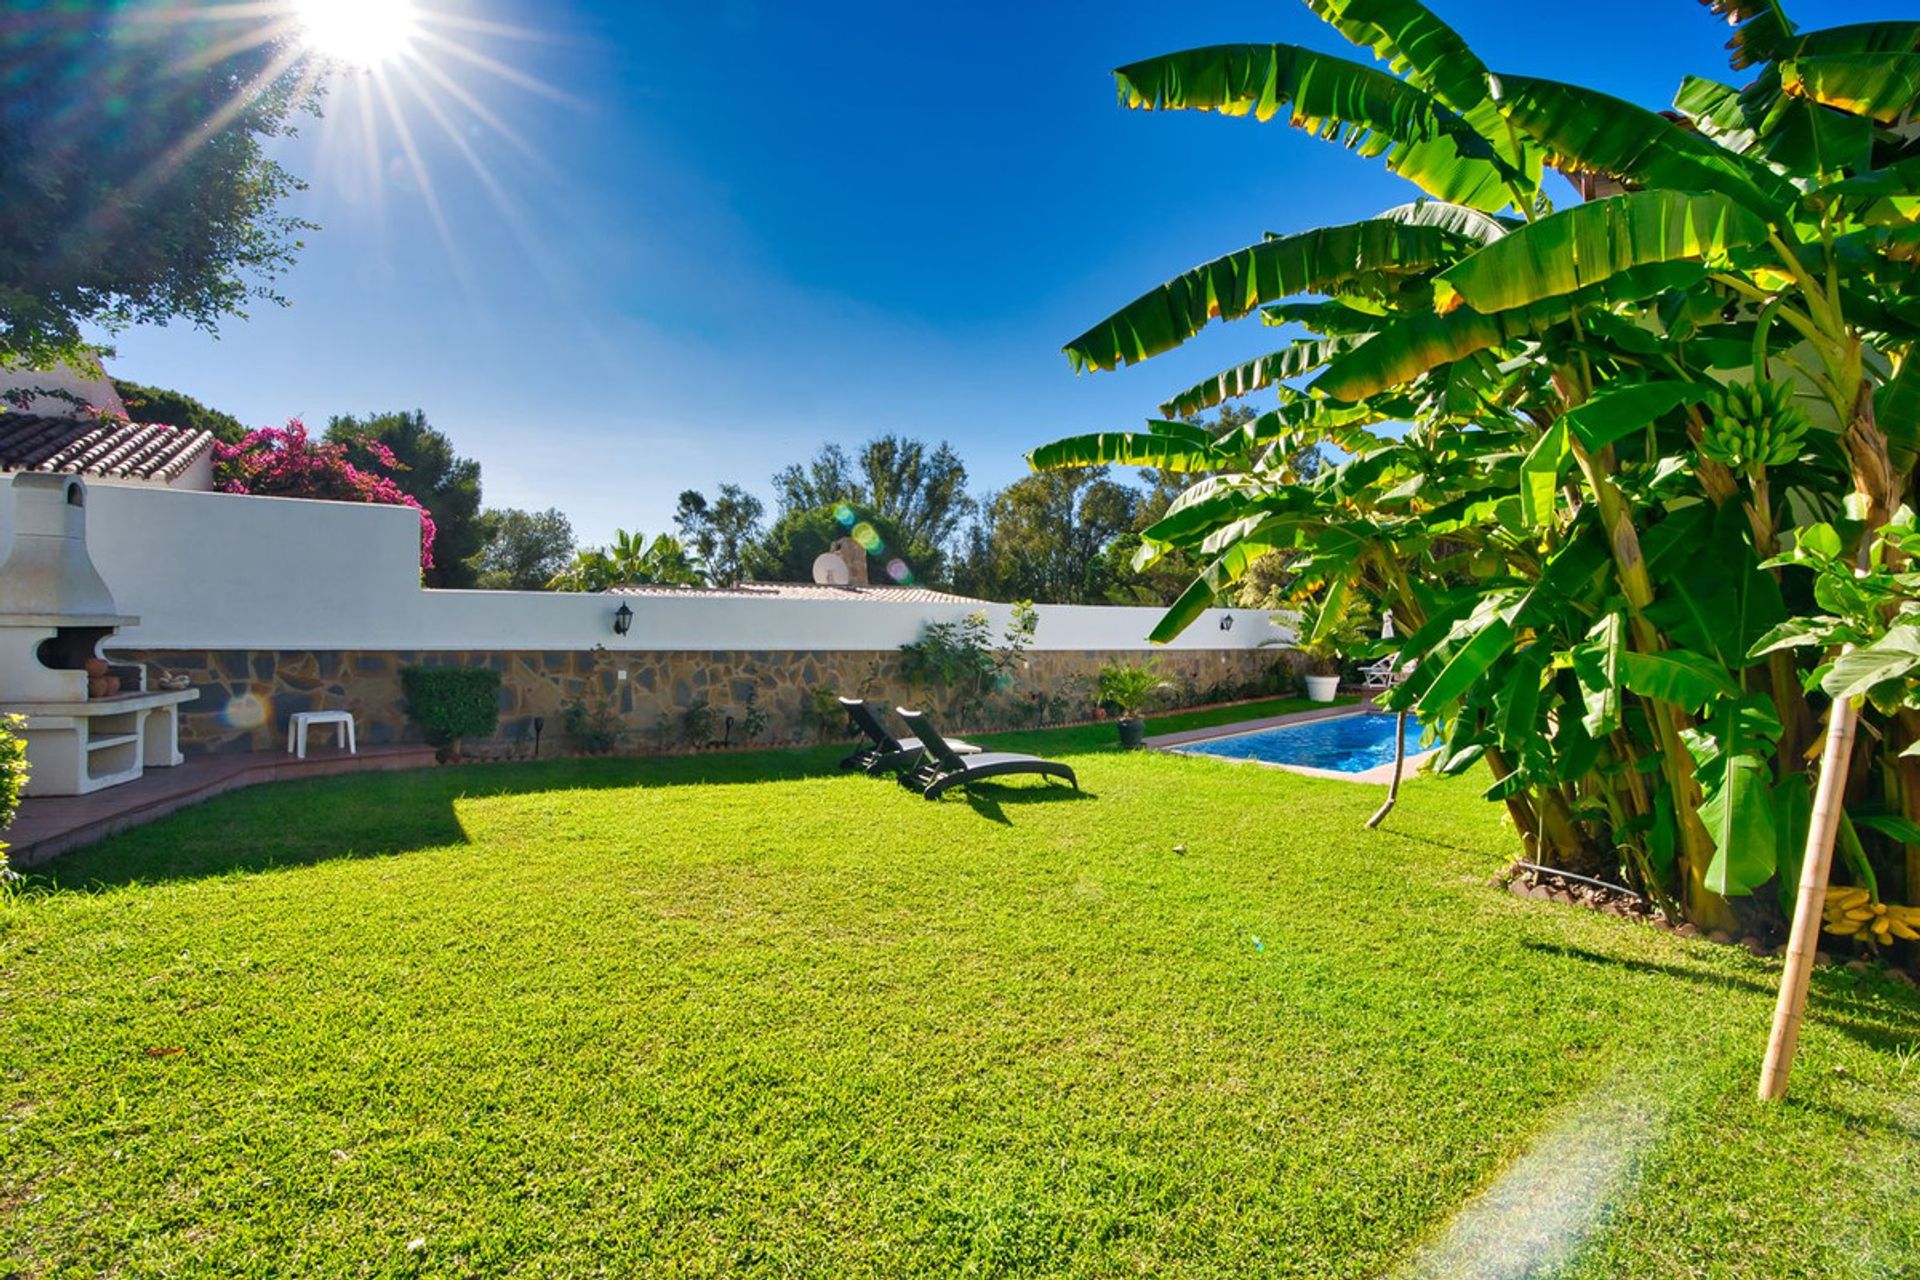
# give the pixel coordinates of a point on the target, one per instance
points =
(451, 703)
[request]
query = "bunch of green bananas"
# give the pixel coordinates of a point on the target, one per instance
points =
(1851, 912)
(1755, 424)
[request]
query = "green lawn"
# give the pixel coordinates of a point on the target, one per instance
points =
(739, 1015)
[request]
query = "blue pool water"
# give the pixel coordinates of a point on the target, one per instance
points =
(1345, 744)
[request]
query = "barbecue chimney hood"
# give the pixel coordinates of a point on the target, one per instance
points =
(49, 579)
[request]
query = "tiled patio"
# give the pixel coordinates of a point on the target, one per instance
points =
(49, 826)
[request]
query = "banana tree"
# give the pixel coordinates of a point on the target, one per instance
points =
(1622, 411)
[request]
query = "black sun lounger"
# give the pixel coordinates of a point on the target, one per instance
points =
(883, 751)
(945, 767)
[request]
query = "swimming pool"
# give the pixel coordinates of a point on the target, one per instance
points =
(1343, 744)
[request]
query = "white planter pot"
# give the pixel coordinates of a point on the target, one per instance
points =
(1322, 688)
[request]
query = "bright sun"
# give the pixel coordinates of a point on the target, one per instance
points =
(364, 33)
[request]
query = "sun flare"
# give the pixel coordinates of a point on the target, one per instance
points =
(362, 33)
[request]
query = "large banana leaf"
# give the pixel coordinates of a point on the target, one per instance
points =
(1227, 569)
(1432, 56)
(1585, 131)
(1477, 643)
(1619, 409)
(1416, 44)
(1170, 446)
(1356, 255)
(1592, 243)
(1762, 30)
(1686, 679)
(1597, 664)
(1466, 222)
(1854, 37)
(1270, 370)
(1788, 132)
(1881, 86)
(1730, 750)
(1367, 110)
(1540, 475)
(1333, 317)
(1713, 596)
(1407, 348)
(1887, 196)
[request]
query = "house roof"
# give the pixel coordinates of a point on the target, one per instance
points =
(795, 591)
(73, 446)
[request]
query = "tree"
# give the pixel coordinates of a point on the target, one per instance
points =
(177, 409)
(787, 551)
(1046, 538)
(1580, 538)
(287, 463)
(719, 531)
(447, 485)
(521, 550)
(139, 189)
(922, 492)
(629, 560)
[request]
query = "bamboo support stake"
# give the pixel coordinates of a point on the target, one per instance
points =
(1399, 765)
(1811, 901)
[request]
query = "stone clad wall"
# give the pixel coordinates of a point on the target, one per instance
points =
(247, 695)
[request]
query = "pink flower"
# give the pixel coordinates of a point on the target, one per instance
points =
(283, 462)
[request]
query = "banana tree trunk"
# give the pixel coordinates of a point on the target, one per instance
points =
(1704, 906)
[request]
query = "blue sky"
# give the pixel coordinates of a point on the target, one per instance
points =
(724, 233)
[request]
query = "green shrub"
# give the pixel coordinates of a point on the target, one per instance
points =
(823, 711)
(754, 719)
(594, 729)
(697, 721)
(1130, 689)
(13, 776)
(451, 703)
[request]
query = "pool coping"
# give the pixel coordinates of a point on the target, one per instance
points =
(1380, 773)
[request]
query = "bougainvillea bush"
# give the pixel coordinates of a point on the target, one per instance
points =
(284, 462)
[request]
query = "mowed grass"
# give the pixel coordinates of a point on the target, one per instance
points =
(742, 1015)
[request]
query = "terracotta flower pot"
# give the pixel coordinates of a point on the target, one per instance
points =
(96, 686)
(96, 666)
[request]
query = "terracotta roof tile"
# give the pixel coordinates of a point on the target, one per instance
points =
(72, 446)
(796, 591)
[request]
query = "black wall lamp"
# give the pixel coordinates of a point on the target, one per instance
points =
(1226, 623)
(622, 620)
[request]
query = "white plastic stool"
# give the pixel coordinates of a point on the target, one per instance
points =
(302, 720)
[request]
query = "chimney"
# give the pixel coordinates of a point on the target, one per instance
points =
(49, 571)
(856, 557)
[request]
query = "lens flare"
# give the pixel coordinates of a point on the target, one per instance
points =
(246, 711)
(844, 514)
(361, 33)
(869, 537)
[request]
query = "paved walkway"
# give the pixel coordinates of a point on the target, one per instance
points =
(48, 826)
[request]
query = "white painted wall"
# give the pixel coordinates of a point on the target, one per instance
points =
(46, 391)
(223, 571)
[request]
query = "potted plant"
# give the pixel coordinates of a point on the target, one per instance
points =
(1130, 690)
(1327, 631)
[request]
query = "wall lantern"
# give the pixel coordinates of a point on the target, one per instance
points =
(1226, 623)
(622, 620)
